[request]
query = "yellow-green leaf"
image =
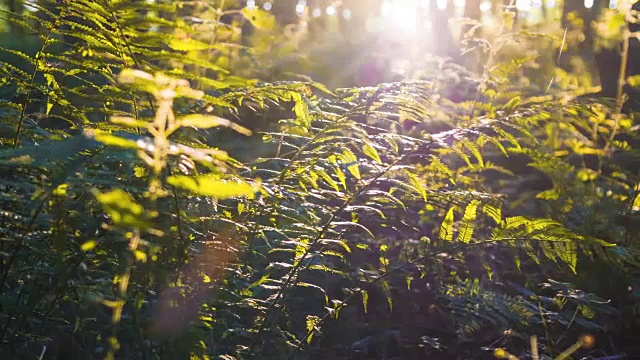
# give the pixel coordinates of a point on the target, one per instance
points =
(417, 184)
(209, 121)
(494, 212)
(512, 104)
(468, 221)
(351, 161)
(123, 210)
(634, 81)
(259, 18)
(446, 229)
(371, 152)
(129, 121)
(208, 185)
(140, 256)
(89, 245)
(365, 300)
(323, 174)
(301, 110)
(188, 44)
(113, 140)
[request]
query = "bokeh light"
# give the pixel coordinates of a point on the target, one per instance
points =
(485, 6)
(346, 14)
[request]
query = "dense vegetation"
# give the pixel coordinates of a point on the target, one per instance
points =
(175, 187)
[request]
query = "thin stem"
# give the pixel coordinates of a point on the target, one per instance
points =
(38, 57)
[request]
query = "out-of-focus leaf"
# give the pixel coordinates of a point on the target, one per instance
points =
(50, 151)
(113, 140)
(208, 185)
(259, 18)
(209, 121)
(123, 210)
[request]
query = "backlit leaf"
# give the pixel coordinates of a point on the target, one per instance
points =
(446, 229)
(123, 210)
(209, 121)
(208, 185)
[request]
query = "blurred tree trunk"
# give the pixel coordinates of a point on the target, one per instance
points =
(285, 11)
(16, 7)
(633, 67)
(497, 5)
(444, 43)
(472, 9)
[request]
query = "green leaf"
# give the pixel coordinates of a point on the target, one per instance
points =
(446, 229)
(341, 177)
(301, 110)
(341, 243)
(89, 245)
(209, 121)
(326, 177)
(371, 152)
(259, 18)
(189, 44)
(139, 79)
(209, 185)
(351, 161)
(468, 222)
(129, 122)
(417, 184)
(512, 104)
(365, 300)
(113, 140)
(312, 324)
(123, 210)
(386, 289)
(634, 81)
(568, 252)
(493, 211)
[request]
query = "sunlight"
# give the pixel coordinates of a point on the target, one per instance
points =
(31, 5)
(523, 5)
(401, 16)
(485, 6)
(301, 7)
